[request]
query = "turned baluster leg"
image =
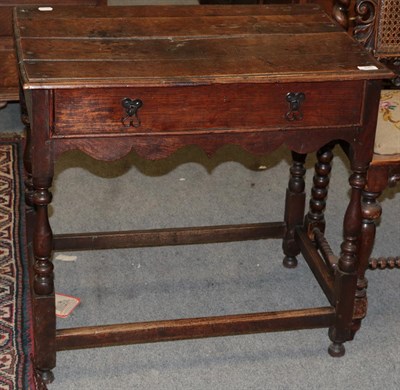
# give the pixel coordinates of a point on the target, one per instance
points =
(315, 217)
(294, 209)
(371, 211)
(346, 271)
(29, 190)
(43, 282)
(42, 277)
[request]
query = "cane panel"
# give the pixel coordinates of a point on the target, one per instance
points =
(388, 32)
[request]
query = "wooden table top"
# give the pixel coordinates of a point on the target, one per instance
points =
(69, 47)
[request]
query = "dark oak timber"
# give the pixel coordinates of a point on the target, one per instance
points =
(107, 81)
(322, 273)
(180, 329)
(172, 236)
(8, 63)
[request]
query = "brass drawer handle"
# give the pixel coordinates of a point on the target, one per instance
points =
(295, 99)
(132, 106)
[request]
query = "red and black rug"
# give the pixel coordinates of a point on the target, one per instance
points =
(16, 371)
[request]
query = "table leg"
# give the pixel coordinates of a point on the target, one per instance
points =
(346, 272)
(27, 154)
(43, 282)
(294, 209)
(315, 218)
(371, 211)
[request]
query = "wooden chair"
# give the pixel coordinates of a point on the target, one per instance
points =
(376, 25)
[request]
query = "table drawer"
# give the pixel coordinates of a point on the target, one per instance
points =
(223, 107)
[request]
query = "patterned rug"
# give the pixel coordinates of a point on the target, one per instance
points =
(16, 371)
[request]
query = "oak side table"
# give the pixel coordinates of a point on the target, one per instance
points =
(154, 79)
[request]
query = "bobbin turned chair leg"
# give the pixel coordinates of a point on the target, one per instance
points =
(383, 173)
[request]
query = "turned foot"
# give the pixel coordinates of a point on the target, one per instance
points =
(290, 262)
(47, 376)
(336, 350)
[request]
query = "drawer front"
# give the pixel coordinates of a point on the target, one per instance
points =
(206, 108)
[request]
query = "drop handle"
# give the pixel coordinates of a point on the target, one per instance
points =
(131, 115)
(295, 100)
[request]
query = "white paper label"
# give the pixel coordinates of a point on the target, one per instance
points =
(65, 258)
(368, 67)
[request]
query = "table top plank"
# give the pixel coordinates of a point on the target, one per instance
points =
(115, 46)
(265, 57)
(185, 27)
(277, 48)
(166, 11)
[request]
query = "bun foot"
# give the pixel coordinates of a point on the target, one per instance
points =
(46, 376)
(290, 262)
(336, 350)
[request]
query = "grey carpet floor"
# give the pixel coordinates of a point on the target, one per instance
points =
(174, 282)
